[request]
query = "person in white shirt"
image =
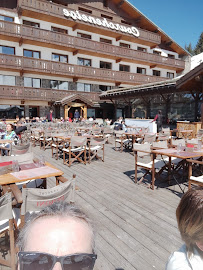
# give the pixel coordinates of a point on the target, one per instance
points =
(189, 216)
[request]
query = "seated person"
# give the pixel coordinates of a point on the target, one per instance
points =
(190, 223)
(9, 135)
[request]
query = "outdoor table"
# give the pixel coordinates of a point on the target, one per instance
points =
(172, 152)
(35, 173)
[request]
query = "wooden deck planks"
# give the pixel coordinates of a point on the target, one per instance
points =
(135, 226)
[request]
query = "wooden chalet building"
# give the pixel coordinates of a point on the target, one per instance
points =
(65, 54)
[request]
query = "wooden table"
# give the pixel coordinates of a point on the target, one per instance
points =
(172, 152)
(8, 178)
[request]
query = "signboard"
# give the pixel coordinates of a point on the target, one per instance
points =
(75, 15)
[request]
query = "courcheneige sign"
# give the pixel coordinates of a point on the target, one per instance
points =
(75, 15)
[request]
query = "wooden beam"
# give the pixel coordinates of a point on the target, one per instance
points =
(120, 3)
(118, 60)
(117, 83)
(75, 79)
(153, 66)
(20, 41)
(75, 52)
(119, 38)
(75, 26)
(21, 72)
(153, 46)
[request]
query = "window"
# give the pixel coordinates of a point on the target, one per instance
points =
(33, 24)
(83, 87)
(141, 49)
(29, 53)
(84, 62)
(156, 72)
(104, 87)
(141, 70)
(125, 45)
(124, 68)
(170, 75)
(85, 10)
(106, 40)
(60, 58)
(82, 35)
(32, 82)
(157, 52)
(7, 50)
(59, 30)
(106, 65)
(60, 85)
(171, 56)
(7, 80)
(6, 18)
(106, 16)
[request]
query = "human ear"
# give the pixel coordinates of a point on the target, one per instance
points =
(200, 245)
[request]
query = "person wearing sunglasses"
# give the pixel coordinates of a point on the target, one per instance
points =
(59, 237)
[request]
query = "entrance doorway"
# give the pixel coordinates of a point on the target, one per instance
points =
(33, 111)
(72, 110)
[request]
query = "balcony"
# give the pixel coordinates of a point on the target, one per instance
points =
(44, 67)
(28, 93)
(45, 38)
(50, 11)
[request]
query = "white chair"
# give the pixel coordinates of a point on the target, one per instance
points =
(7, 226)
(95, 145)
(196, 180)
(121, 140)
(35, 199)
(75, 150)
(154, 166)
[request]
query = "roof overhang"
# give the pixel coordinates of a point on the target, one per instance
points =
(75, 97)
(192, 80)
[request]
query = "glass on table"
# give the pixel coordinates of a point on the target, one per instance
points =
(41, 161)
(199, 145)
(15, 166)
(179, 147)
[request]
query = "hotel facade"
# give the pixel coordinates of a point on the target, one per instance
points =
(64, 54)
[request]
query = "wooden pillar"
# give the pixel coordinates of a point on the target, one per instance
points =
(84, 110)
(66, 110)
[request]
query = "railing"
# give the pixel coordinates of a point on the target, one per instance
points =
(56, 10)
(25, 93)
(57, 68)
(45, 36)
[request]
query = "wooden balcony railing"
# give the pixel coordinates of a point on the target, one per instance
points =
(76, 43)
(25, 93)
(39, 66)
(56, 10)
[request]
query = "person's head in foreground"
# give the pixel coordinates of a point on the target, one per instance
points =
(189, 216)
(58, 237)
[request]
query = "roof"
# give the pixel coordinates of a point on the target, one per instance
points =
(149, 88)
(74, 97)
(193, 80)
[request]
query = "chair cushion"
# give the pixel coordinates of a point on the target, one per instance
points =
(197, 178)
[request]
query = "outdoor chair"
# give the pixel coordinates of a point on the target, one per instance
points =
(35, 137)
(36, 199)
(7, 230)
(166, 131)
(57, 145)
(121, 140)
(154, 167)
(177, 142)
(95, 145)
(76, 151)
(148, 138)
(107, 133)
(46, 140)
(196, 180)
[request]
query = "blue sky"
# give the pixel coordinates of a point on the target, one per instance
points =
(182, 20)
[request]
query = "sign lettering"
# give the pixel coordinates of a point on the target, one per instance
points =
(75, 15)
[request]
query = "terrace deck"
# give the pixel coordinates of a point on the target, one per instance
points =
(135, 226)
